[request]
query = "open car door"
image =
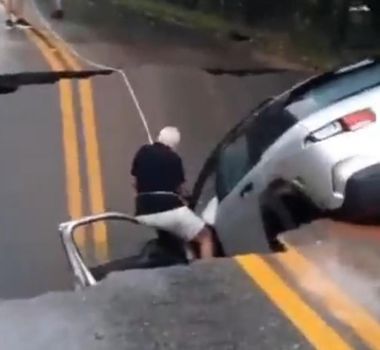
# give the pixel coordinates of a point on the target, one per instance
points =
(86, 261)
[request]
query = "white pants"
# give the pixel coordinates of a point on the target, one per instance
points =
(181, 222)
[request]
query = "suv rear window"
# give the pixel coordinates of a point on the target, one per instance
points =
(332, 87)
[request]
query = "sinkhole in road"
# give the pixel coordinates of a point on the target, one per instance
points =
(244, 72)
(10, 83)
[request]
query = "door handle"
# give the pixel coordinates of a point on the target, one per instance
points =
(246, 189)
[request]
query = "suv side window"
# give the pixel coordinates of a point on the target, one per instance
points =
(332, 87)
(244, 152)
(267, 129)
(233, 163)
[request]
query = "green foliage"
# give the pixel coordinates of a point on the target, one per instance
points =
(171, 12)
(316, 31)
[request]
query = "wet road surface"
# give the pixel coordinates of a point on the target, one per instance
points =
(283, 301)
(66, 152)
(32, 189)
(68, 147)
(172, 87)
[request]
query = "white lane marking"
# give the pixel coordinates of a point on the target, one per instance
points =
(94, 64)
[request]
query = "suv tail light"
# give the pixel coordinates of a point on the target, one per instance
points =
(350, 122)
(358, 120)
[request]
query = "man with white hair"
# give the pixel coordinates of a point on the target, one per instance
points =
(159, 182)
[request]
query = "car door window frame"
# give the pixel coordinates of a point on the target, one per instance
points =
(261, 132)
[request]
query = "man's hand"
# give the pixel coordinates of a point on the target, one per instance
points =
(185, 194)
(183, 191)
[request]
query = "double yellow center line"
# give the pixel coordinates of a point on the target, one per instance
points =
(315, 329)
(303, 317)
(344, 308)
(59, 58)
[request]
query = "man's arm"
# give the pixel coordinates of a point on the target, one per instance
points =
(135, 167)
(134, 174)
(134, 182)
(182, 189)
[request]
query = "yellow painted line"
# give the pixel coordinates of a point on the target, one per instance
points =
(308, 322)
(69, 137)
(94, 173)
(339, 304)
(93, 163)
(63, 49)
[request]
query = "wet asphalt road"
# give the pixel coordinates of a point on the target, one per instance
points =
(172, 88)
(38, 173)
(32, 189)
(66, 150)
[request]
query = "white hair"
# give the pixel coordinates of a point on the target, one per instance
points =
(169, 136)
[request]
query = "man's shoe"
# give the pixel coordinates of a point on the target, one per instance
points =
(22, 23)
(57, 14)
(9, 24)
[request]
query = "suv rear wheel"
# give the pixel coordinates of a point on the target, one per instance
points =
(283, 211)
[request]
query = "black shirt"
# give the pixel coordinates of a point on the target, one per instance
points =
(157, 168)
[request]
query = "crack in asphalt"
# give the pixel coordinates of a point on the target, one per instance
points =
(10, 83)
(244, 72)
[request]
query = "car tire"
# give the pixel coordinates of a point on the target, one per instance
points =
(276, 219)
(283, 211)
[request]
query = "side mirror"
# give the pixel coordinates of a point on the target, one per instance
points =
(155, 253)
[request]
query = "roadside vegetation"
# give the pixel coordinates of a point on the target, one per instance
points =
(316, 33)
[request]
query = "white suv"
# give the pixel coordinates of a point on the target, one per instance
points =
(312, 151)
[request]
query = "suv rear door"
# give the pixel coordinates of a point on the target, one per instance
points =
(227, 176)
